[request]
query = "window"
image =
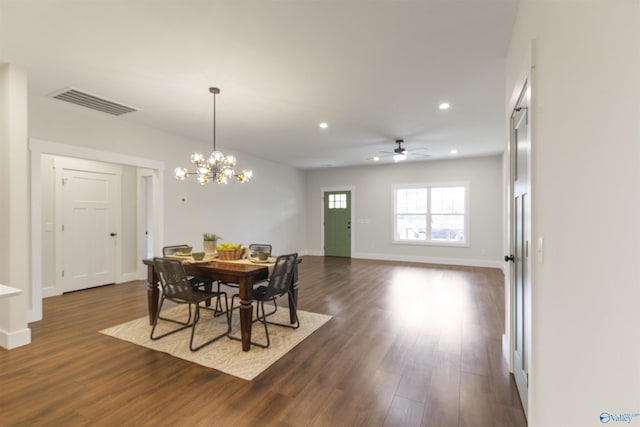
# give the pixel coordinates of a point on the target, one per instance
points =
(337, 201)
(431, 213)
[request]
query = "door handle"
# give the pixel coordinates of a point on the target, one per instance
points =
(113, 234)
(508, 258)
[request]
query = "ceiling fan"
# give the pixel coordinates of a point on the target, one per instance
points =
(400, 153)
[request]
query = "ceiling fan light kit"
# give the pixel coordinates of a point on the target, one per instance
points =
(399, 154)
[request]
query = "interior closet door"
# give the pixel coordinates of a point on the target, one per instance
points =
(89, 231)
(520, 222)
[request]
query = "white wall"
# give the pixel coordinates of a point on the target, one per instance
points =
(130, 259)
(4, 173)
(586, 180)
(373, 202)
(14, 213)
(268, 209)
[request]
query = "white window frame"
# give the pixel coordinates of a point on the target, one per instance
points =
(427, 242)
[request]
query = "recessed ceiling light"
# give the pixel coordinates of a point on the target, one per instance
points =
(324, 125)
(444, 106)
(376, 158)
(454, 151)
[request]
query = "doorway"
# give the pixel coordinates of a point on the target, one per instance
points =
(337, 223)
(38, 148)
(145, 213)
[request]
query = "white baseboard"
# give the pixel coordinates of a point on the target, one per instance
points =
(54, 291)
(51, 291)
(310, 253)
(464, 262)
(128, 277)
(15, 339)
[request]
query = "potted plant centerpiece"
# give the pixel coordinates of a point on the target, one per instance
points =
(209, 242)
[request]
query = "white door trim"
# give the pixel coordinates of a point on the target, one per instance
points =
(39, 147)
(525, 79)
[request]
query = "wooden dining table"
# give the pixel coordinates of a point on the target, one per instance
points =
(245, 275)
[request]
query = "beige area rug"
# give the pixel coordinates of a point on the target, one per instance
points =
(225, 355)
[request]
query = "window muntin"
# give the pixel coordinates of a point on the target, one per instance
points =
(431, 214)
(338, 201)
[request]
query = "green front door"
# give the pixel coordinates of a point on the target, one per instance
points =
(337, 223)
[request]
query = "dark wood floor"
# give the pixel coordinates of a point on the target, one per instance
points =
(408, 345)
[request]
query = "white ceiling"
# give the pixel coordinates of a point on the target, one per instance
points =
(375, 70)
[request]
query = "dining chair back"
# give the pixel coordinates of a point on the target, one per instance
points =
(196, 282)
(177, 288)
(254, 248)
(170, 250)
(173, 280)
(278, 284)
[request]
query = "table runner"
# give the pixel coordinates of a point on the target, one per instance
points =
(189, 260)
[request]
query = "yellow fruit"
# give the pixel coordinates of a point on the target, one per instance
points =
(227, 246)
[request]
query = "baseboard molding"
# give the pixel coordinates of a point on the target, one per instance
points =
(10, 340)
(128, 277)
(310, 253)
(54, 291)
(51, 291)
(462, 262)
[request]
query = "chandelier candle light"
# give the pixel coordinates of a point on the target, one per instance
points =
(218, 167)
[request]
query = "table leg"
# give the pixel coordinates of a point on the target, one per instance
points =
(246, 313)
(293, 302)
(153, 293)
(293, 296)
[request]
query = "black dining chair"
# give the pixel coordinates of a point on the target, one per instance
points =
(278, 285)
(254, 248)
(173, 249)
(196, 282)
(176, 288)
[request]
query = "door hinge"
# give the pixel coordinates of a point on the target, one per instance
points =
(64, 181)
(62, 273)
(62, 227)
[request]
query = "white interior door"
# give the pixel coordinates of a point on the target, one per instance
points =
(89, 229)
(520, 244)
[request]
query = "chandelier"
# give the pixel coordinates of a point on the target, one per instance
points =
(217, 167)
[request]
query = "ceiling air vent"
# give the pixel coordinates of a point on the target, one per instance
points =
(85, 99)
